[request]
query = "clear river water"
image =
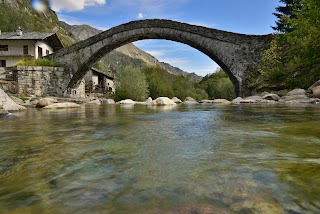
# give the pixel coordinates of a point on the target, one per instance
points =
(187, 159)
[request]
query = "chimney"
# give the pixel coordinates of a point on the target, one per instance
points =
(19, 32)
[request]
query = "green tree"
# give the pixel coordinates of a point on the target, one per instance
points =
(286, 12)
(218, 86)
(160, 82)
(131, 84)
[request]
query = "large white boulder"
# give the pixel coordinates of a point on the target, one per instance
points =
(162, 101)
(149, 101)
(62, 106)
(8, 104)
(126, 102)
(176, 100)
(237, 101)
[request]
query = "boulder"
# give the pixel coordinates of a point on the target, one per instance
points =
(45, 102)
(126, 102)
(206, 101)
(17, 100)
(8, 104)
(256, 97)
(271, 97)
(62, 106)
(162, 101)
(221, 102)
(34, 101)
(294, 98)
(149, 101)
(176, 100)
(190, 99)
(190, 102)
(314, 85)
(264, 93)
(316, 92)
(94, 102)
(237, 100)
(296, 92)
(248, 101)
(108, 101)
(3, 112)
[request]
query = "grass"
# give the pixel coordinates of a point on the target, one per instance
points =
(38, 62)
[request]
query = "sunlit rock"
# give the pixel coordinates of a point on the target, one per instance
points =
(62, 106)
(163, 101)
(176, 100)
(8, 104)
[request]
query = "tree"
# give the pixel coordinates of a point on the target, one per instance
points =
(131, 84)
(286, 12)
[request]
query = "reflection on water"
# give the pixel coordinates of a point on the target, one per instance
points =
(187, 159)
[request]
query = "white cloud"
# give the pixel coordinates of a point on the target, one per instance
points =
(157, 53)
(140, 16)
(175, 61)
(203, 24)
(75, 5)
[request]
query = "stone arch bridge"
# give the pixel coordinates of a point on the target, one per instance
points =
(237, 54)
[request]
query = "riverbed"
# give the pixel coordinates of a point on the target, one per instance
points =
(140, 159)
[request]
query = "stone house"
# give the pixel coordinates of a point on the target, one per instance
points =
(97, 81)
(19, 45)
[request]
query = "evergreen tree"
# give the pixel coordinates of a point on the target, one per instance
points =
(285, 12)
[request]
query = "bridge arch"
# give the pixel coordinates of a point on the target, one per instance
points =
(235, 53)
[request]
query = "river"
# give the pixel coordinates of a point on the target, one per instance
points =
(186, 159)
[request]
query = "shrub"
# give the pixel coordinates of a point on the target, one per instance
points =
(131, 84)
(38, 62)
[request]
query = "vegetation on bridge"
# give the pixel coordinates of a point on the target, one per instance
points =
(293, 60)
(38, 62)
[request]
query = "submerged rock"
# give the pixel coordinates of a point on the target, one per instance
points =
(163, 101)
(8, 104)
(62, 106)
(176, 100)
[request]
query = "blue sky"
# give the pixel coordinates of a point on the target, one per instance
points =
(245, 16)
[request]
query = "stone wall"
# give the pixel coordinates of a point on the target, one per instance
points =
(45, 81)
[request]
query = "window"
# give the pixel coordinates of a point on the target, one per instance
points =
(40, 52)
(47, 52)
(25, 50)
(3, 63)
(4, 48)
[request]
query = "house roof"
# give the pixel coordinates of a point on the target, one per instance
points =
(102, 73)
(52, 38)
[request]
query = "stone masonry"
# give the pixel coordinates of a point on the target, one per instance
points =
(237, 54)
(45, 81)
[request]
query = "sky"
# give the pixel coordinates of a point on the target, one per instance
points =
(245, 16)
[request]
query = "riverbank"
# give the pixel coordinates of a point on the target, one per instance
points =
(11, 103)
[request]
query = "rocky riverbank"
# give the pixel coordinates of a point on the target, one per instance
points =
(297, 96)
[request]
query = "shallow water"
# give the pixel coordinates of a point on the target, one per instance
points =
(188, 159)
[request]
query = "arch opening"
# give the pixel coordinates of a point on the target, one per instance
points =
(107, 49)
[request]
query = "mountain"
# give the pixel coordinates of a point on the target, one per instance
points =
(82, 32)
(19, 13)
